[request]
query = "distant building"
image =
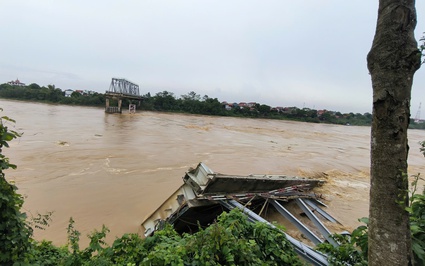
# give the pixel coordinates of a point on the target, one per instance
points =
(16, 83)
(242, 105)
(321, 112)
(68, 93)
(87, 92)
(280, 109)
(226, 105)
(288, 110)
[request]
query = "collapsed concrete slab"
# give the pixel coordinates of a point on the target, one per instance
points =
(205, 182)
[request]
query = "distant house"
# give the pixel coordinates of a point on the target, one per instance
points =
(251, 104)
(226, 105)
(321, 112)
(68, 93)
(288, 110)
(16, 83)
(242, 104)
(87, 92)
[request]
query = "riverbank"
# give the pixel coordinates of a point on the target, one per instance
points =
(191, 103)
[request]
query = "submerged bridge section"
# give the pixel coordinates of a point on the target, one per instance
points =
(122, 89)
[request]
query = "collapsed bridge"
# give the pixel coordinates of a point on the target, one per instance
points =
(204, 195)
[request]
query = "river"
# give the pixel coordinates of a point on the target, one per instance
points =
(116, 169)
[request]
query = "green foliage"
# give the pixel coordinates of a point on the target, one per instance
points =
(232, 240)
(165, 101)
(15, 233)
(128, 249)
(44, 253)
(227, 242)
(359, 236)
(416, 210)
(40, 221)
(191, 103)
(73, 237)
(417, 227)
(167, 250)
(50, 94)
(352, 249)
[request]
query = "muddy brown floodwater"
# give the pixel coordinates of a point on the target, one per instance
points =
(116, 169)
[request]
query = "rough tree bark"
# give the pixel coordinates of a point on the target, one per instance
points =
(392, 62)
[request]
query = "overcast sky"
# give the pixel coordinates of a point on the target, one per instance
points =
(306, 53)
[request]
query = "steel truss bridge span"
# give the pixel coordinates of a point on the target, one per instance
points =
(123, 86)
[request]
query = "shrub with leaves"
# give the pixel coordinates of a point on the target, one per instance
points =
(417, 227)
(352, 249)
(127, 250)
(168, 248)
(416, 210)
(44, 253)
(15, 233)
(232, 240)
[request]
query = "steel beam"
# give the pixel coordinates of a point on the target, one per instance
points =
(307, 232)
(322, 229)
(314, 257)
(326, 215)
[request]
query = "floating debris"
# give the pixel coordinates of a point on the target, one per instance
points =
(63, 143)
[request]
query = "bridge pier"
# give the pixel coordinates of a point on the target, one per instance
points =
(113, 109)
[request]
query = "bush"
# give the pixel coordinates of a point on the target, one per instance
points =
(15, 233)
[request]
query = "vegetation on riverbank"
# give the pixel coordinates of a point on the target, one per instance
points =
(232, 240)
(191, 103)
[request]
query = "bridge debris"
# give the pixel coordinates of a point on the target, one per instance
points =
(205, 194)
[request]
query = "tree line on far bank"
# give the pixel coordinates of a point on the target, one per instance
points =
(191, 103)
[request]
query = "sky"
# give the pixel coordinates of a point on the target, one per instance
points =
(306, 53)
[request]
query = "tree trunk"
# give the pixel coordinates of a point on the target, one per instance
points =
(392, 62)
